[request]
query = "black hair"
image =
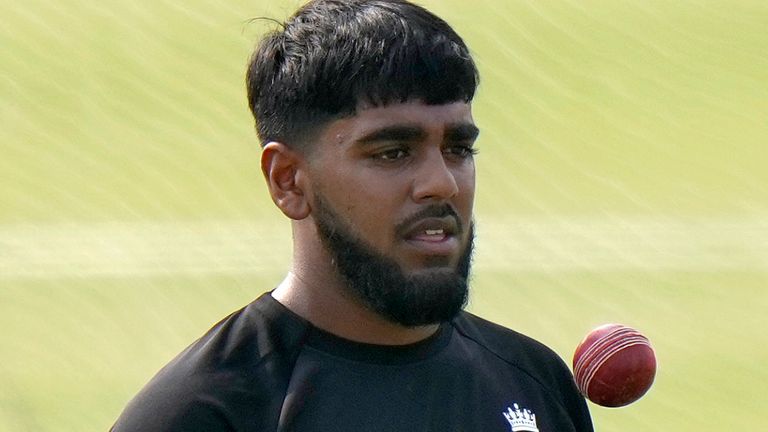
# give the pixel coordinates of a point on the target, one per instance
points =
(332, 55)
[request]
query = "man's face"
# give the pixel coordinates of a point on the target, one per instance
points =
(393, 189)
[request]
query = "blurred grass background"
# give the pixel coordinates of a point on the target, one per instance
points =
(622, 178)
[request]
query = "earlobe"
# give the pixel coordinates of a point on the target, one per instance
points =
(282, 168)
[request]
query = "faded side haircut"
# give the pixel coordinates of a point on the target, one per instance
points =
(333, 55)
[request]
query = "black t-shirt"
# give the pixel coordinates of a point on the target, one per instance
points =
(263, 368)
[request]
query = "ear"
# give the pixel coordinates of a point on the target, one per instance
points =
(283, 169)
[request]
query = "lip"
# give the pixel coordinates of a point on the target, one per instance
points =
(433, 236)
(445, 246)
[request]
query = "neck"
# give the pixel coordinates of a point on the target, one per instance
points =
(326, 304)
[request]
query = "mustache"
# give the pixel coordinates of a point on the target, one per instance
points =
(433, 211)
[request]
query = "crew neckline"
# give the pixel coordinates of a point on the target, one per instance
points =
(338, 346)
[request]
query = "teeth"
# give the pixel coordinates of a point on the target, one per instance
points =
(433, 232)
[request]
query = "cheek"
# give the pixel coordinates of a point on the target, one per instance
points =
(469, 179)
(465, 180)
(369, 209)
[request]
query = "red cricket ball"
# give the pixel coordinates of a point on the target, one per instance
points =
(614, 365)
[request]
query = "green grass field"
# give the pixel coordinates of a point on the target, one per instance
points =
(621, 178)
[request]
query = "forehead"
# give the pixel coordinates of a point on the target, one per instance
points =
(430, 118)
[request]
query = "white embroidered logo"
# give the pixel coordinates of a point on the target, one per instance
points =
(521, 419)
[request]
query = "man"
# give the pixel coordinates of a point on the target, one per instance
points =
(363, 110)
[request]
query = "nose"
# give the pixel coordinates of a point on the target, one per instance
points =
(434, 180)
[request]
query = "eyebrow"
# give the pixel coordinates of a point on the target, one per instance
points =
(394, 133)
(453, 132)
(461, 132)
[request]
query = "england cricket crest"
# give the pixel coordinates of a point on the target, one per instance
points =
(521, 419)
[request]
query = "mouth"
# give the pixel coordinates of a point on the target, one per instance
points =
(434, 236)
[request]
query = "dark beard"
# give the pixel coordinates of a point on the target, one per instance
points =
(427, 296)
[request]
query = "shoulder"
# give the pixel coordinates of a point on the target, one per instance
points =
(242, 363)
(522, 352)
(506, 343)
(531, 358)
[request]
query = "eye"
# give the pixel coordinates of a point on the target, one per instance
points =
(392, 154)
(461, 151)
